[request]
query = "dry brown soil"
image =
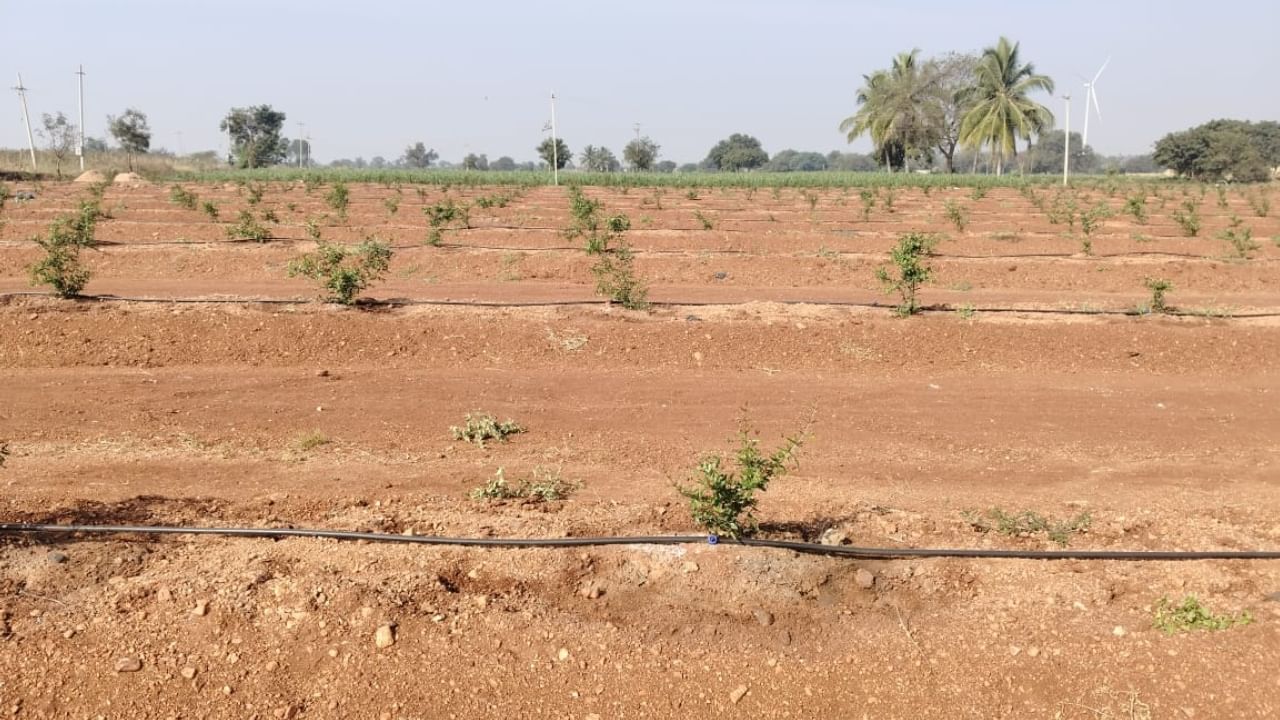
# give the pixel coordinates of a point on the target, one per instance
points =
(1165, 430)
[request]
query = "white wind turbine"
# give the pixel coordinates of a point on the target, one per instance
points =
(1091, 97)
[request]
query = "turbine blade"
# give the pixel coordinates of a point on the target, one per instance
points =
(1093, 95)
(1104, 67)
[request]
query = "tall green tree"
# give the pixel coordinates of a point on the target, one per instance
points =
(736, 152)
(1002, 111)
(60, 135)
(641, 154)
(132, 132)
(255, 136)
(894, 109)
(559, 153)
(475, 162)
(599, 159)
(417, 155)
(950, 88)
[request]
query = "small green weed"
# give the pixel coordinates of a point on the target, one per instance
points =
(721, 501)
(210, 209)
(479, 428)
(1190, 615)
(1188, 218)
(1239, 237)
(182, 197)
(546, 485)
(1027, 523)
(311, 441)
(247, 228)
(957, 215)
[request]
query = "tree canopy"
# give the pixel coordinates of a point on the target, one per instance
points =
(641, 153)
(1002, 113)
(1236, 150)
(255, 136)
(561, 154)
(60, 134)
(796, 161)
(130, 129)
(736, 152)
(416, 155)
(599, 159)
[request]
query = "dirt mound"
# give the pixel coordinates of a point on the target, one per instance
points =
(129, 179)
(91, 176)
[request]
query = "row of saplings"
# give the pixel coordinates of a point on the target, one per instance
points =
(344, 271)
(723, 501)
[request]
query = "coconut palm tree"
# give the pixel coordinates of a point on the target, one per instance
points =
(1002, 113)
(892, 109)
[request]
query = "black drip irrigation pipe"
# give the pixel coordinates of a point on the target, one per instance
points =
(870, 553)
(405, 302)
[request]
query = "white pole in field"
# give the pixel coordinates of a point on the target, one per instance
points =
(1066, 143)
(555, 147)
(301, 126)
(26, 119)
(80, 143)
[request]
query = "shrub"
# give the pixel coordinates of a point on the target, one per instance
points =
(5, 194)
(338, 198)
(313, 229)
(443, 215)
(1191, 615)
(546, 485)
(889, 195)
(868, 198)
(247, 228)
(311, 183)
(1092, 218)
(616, 278)
(479, 428)
(706, 222)
(1136, 205)
(182, 197)
(256, 191)
(344, 271)
(269, 215)
(1028, 522)
(1158, 288)
(723, 502)
(978, 192)
(1259, 201)
(311, 440)
(957, 215)
(60, 268)
(1188, 218)
(912, 273)
(392, 204)
(210, 209)
(1239, 237)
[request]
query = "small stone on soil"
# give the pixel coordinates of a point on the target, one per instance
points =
(385, 637)
(689, 567)
(832, 536)
(865, 579)
(737, 694)
(188, 672)
(128, 664)
(201, 608)
(764, 617)
(58, 557)
(563, 654)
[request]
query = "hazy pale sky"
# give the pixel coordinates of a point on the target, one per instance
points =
(371, 76)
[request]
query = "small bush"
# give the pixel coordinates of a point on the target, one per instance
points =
(1259, 201)
(344, 271)
(978, 192)
(889, 196)
(706, 222)
(1158, 288)
(809, 197)
(182, 197)
(392, 204)
(911, 272)
(247, 228)
(311, 440)
(1092, 218)
(546, 485)
(723, 502)
(1239, 237)
(1188, 218)
(444, 215)
(616, 278)
(1191, 615)
(210, 209)
(269, 215)
(480, 428)
(311, 183)
(313, 229)
(1028, 522)
(1136, 205)
(957, 215)
(338, 198)
(868, 198)
(256, 191)
(60, 268)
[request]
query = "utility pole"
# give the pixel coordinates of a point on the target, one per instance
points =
(1066, 143)
(80, 144)
(637, 126)
(555, 147)
(301, 127)
(26, 119)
